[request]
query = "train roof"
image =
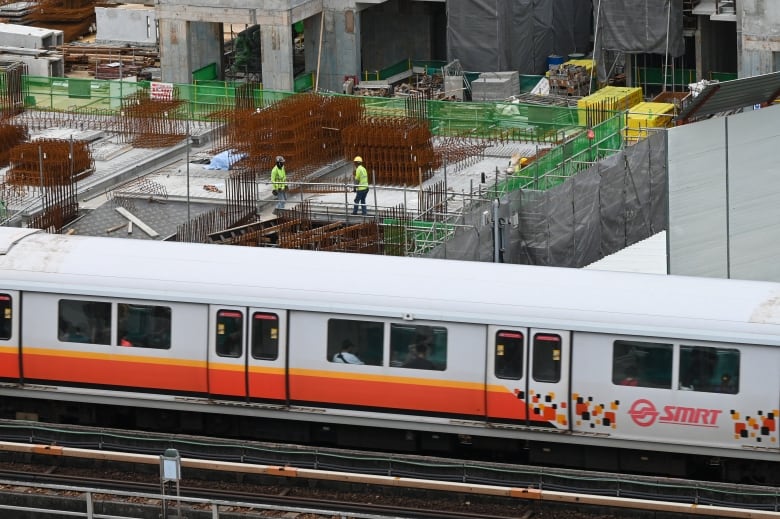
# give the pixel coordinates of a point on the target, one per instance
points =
(404, 288)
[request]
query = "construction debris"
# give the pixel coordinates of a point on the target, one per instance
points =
(137, 221)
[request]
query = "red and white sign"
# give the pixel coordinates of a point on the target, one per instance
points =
(161, 91)
(645, 414)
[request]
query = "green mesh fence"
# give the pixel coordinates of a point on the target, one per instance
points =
(561, 162)
(416, 237)
(507, 121)
(79, 95)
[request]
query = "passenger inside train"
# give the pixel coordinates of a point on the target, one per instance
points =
(348, 354)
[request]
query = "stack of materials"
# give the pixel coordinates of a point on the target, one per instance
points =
(569, 80)
(495, 86)
(16, 12)
(74, 18)
(644, 116)
(603, 104)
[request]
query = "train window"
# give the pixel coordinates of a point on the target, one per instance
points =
(5, 317)
(547, 358)
(418, 346)
(355, 342)
(84, 321)
(265, 336)
(710, 370)
(144, 326)
(642, 364)
(230, 333)
(509, 355)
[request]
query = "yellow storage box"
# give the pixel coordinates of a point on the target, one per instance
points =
(596, 107)
(648, 115)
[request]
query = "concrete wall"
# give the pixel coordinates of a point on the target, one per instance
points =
(125, 25)
(759, 23)
(724, 220)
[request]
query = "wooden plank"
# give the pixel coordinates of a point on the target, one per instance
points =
(137, 221)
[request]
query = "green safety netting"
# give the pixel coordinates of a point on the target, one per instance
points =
(507, 121)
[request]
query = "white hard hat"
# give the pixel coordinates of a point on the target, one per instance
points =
(279, 158)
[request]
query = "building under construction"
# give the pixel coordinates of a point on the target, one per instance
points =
(415, 148)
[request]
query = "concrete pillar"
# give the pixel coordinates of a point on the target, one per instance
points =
(187, 46)
(277, 51)
(340, 54)
(698, 44)
(174, 51)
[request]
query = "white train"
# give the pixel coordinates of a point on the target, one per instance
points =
(583, 368)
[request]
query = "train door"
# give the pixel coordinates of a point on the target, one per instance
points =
(227, 352)
(267, 370)
(549, 358)
(9, 336)
(528, 376)
(506, 376)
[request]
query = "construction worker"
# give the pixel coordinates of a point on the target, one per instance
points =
(521, 164)
(279, 182)
(361, 185)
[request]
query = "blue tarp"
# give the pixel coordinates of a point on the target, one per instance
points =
(225, 160)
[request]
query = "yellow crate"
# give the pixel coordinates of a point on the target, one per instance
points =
(647, 115)
(609, 98)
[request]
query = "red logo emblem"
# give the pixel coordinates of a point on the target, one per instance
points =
(643, 412)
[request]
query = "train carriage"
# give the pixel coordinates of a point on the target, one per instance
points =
(560, 363)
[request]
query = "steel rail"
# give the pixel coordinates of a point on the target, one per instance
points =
(530, 494)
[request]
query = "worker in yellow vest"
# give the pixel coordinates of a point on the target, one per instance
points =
(361, 185)
(279, 182)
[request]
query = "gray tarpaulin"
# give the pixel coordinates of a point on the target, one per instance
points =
(637, 27)
(615, 203)
(501, 35)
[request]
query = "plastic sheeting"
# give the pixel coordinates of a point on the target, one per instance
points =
(636, 27)
(640, 26)
(615, 203)
(496, 35)
(225, 160)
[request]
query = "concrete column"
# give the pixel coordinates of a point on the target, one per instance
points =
(340, 54)
(174, 51)
(698, 43)
(277, 51)
(187, 46)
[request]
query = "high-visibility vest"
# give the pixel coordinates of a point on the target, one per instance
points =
(278, 178)
(361, 177)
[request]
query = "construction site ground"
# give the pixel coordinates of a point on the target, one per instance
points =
(163, 190)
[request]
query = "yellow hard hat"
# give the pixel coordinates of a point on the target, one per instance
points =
(358, 159)
(523, 160)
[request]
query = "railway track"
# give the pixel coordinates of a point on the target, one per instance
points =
(280, 473)
(281, 501)
(350, 495)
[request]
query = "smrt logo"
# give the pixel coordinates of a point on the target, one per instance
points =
(644, 414)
